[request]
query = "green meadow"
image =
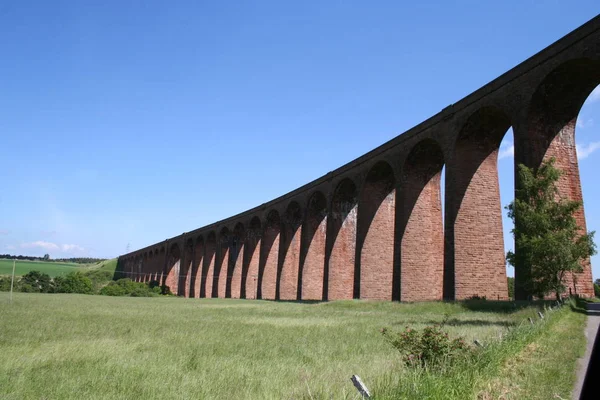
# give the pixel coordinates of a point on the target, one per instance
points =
(48, 267)
(52, 268)
(67, 346)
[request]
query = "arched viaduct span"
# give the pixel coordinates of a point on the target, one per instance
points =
(373, 228)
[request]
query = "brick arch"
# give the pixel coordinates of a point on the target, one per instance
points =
(196, 268)
(156, 265)
(236, 258)
(550, 132)
(173, 268)
(251, 259)
(162, 255)
(420, 225)
(553, 110)
(208, 265)
(375, 238)
(267, 275)
(221, 262)
(185, 273)
(139, 267)
(289, 253)
(341, 242)
(145, 276)
(312, 256)
(474, 245)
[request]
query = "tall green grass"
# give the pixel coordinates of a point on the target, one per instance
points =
(544, 354)
(92, 347)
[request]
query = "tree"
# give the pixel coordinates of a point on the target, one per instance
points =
(46, 257)
(546, 233)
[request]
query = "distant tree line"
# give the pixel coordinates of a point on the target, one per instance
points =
(46, 257)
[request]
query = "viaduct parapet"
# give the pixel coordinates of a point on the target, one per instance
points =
(373, 228)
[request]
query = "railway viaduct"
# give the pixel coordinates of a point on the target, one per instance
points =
(374, 228)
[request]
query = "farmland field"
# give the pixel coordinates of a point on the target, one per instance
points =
(53, 268)
(50, 268)
(65, 346)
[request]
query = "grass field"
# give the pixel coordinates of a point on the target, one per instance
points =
(92, 347)
(52, 268)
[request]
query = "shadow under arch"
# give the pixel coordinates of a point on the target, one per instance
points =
(206, 286)
(195, 276)
(420, 242)
(236, 254)
(340, 253)
(186, 269)
(289, 253)
(374, 267)
(172, 269)
(312, 249)
(221, 263)
(251, 258)
(474, 243)
(269, 256)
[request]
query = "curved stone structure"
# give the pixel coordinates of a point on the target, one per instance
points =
(373, 228)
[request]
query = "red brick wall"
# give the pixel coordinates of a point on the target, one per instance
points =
(476, 212)
(236, 253)
(315, 229)
(206, 289)
(376, 213)
(221, 263)
(270, 259)
(343, 242)
(562, 148)
(290, 253)
(251, 261)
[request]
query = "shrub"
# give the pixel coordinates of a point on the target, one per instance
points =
(127, 287)
(430, 347)
(596, 290)
(113, 289)
(99, 278)
(36, 281)
(4, 284)
(74, 282)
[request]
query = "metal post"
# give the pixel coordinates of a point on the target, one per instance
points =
(12, 281)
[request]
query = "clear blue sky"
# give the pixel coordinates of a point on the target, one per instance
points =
(132, 121)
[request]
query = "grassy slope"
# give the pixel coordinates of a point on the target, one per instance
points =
(546, 367)
(76, 346)
(106, 265)
(532, 362)
(50, 268)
